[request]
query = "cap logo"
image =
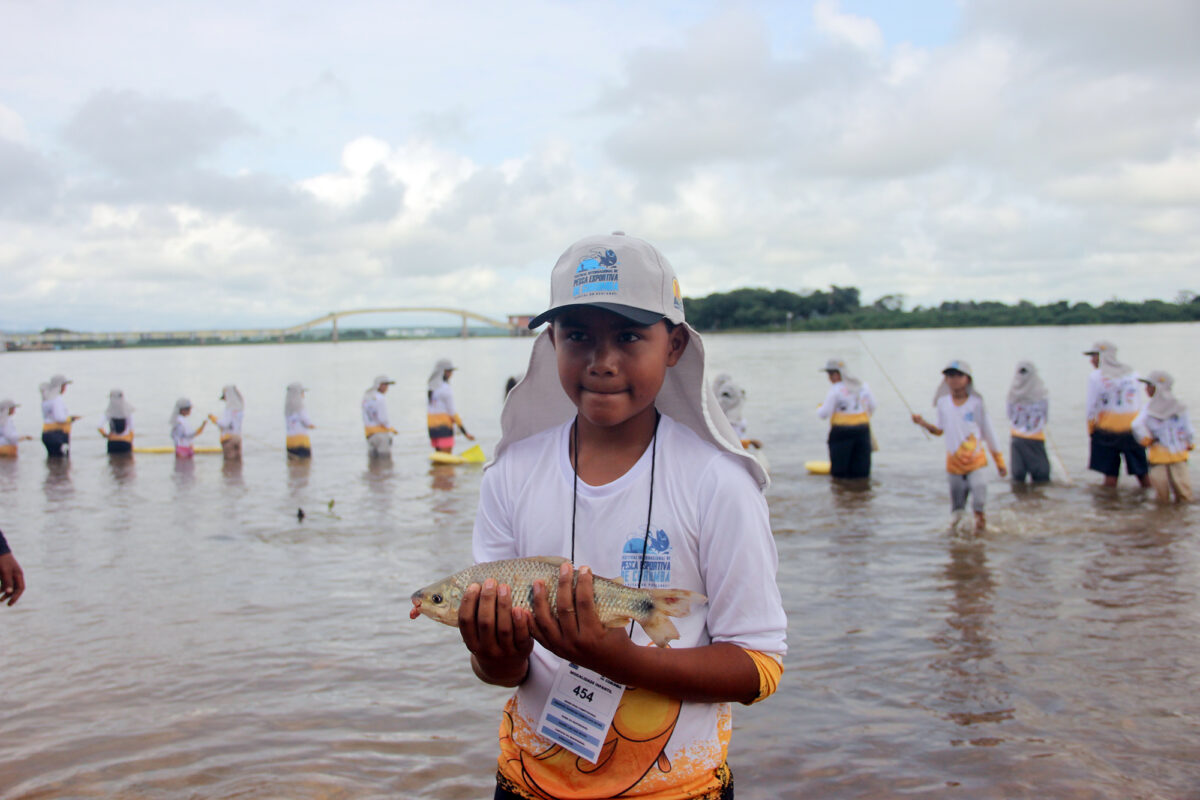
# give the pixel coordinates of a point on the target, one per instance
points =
(678, 294)
(596, 274)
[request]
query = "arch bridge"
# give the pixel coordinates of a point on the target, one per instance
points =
(511, 325)
(515, 325)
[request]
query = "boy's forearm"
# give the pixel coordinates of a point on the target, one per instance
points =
(715, 673)
(509, 675)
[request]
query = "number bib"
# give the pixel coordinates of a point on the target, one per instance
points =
(580, 710)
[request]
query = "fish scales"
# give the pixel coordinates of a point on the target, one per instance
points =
(616, 603)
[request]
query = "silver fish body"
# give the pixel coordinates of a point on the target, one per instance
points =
(616, 603)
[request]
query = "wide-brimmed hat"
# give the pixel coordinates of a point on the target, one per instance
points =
(643, 288)
(617, 273)
(1164, 404)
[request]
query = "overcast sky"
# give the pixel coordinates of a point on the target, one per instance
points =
(178, 165)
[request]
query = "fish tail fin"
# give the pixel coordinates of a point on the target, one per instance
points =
(668, 603)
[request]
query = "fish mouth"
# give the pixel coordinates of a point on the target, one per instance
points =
(416, 609)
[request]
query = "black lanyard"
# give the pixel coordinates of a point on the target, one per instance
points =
(649, 506)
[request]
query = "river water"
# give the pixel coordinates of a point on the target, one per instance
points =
(185, 634)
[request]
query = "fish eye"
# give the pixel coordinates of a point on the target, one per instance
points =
(437, 599)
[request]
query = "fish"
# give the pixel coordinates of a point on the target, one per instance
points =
(616, 603)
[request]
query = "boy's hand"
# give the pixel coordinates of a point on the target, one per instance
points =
(12, 579)
(497, 635)
(577, 634)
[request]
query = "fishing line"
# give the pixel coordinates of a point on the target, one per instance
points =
(889, 379)
(649, 505)
(1058, 457)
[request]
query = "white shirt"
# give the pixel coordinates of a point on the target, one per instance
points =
(710, 533)
(1168, 440)
(1112, 404)
(8, 431)
(181, 433)
(298, 423)
(374, 410)
(1029, 419)
(55, 410)
(230, 421)
(441, 401)
(847, 407)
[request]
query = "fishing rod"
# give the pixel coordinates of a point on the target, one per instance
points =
(1058, 457)
(889, 380)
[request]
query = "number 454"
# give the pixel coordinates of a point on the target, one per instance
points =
(584, 694)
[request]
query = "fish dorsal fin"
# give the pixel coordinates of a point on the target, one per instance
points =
(555, 560)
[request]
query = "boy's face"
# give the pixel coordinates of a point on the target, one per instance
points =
(957, 381)
(611, 367)
(1149, 389)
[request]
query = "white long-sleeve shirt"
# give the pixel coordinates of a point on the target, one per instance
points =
(8, 431)
(847, 407)
(182, 434)
(1113, 404)
(964, 426)
(1029, 419)
(374, 411)
(1168, 441)
(54, 410)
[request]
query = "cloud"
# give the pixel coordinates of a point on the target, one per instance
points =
(29, 183)
(135, 136)
(860, 32)
(1029, 152)
(1086, 35)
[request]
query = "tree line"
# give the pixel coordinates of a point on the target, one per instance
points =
(840, 308)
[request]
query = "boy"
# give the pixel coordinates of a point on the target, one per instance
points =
(615, 454)
(440, 414)
(9, 438)
(1163, 427)
(376, 427)
(1113, 400)
(848, 405)
(964, 420)
(1028, 412)
(56, 422)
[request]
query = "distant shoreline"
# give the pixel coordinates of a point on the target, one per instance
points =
(840, 309)
(738, 311)
(824, 325)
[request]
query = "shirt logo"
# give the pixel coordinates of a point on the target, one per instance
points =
(656, 569)
(596, 274)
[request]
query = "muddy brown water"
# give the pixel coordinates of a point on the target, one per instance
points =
(184, 634)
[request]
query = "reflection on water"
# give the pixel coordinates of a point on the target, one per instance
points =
(185, 634)
(185, 473)
(57, 484)
(973, 689)
(298, 472)
(231, 471)
(444, 477)
(122, 468)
